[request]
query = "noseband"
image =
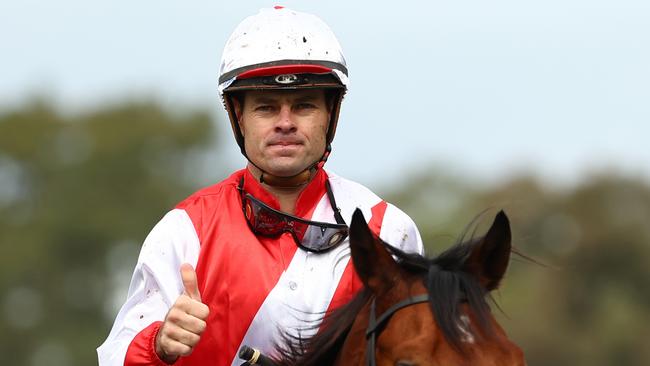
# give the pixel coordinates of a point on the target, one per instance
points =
(374, 323)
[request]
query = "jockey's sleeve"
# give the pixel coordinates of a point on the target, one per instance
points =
(399, 230)
(155, 286)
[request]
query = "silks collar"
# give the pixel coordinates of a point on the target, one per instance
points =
(307, 199)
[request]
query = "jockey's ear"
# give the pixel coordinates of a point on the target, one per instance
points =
(374, 265)
(489, 258)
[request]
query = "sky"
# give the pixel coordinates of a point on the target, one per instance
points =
(483, 89)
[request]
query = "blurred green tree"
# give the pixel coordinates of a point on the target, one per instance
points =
(77, 196)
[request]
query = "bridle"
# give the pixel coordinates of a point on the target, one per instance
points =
(374, 323)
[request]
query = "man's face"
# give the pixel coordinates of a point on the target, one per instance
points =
(284, 131)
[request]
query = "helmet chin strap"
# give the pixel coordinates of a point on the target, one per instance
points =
(296, 180)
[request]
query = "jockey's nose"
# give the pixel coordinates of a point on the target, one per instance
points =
(285, 121)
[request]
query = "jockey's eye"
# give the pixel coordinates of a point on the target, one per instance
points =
(264, 108)
(304, 106)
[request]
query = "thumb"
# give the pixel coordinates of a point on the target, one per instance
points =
(190, 283)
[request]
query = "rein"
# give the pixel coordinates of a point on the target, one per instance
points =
(374, 323)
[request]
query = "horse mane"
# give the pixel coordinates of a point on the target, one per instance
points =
(447, 284)
(322, 347)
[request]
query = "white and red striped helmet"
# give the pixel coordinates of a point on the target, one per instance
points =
(280, 48)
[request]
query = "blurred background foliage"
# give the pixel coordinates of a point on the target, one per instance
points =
(78, 194)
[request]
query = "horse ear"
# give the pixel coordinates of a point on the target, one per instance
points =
(374, 265)
(489, 258)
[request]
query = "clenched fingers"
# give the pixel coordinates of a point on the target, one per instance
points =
(189, 306)
(187, 321)
(176, 335)
(182, 328)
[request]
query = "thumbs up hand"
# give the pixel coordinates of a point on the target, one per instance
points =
(185, 321)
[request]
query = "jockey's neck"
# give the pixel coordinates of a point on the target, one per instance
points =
(287, 196)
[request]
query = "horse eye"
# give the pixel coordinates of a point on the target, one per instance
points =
(405, 363)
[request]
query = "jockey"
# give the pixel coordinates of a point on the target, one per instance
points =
(264, 252)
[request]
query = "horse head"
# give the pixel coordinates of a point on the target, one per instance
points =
(450, 323)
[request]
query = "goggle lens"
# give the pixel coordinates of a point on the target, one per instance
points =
(313, 236)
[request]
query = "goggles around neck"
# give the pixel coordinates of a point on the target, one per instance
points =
(313, 236)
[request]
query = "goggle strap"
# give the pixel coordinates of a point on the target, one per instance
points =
(337, 210)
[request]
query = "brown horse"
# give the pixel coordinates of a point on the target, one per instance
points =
(416, 311)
